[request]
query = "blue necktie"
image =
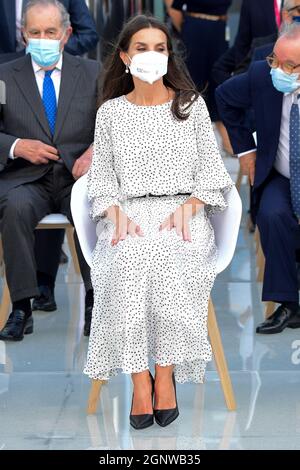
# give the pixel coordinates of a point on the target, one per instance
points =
(49, 100)
(295, 157)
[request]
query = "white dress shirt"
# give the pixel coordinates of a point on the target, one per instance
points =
(39, 76)
(282, 161)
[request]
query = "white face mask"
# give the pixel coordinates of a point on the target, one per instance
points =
(149, 66)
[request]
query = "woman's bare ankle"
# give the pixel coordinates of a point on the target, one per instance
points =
(142, 393)
(164, 388)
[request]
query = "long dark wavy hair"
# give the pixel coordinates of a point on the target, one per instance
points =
(114, 82)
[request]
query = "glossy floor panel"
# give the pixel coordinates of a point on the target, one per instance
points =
(47, 411)
(43, 393)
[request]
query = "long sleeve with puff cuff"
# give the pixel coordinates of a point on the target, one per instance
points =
(211, 180)
(103, 186)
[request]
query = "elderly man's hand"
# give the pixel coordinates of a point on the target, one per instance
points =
(35, 151)
(247, 163)
(83, 163)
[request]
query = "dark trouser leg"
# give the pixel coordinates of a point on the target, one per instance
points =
(20, 211)
(48, 241)
(278, 231)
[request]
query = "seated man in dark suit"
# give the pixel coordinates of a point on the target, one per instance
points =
(83, 39)
(47, 129)
(273, 168)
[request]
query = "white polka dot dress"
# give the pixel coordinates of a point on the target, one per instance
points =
(151, 293)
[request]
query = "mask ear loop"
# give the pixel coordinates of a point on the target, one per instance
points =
(127, 65)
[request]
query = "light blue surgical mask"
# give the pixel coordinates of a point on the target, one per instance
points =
(284, 82)
(45, 52)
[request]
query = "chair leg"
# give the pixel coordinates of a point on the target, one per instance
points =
(260, 259)
(94, 396)
(218, 351)
(71, 243)
(5, 303)
(256, 236)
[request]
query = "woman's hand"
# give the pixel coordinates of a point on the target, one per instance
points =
(181, 217)
(123, 225)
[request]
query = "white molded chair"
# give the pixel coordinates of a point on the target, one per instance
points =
(51, 221)
(226, 227)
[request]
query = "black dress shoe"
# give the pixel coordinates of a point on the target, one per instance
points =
(87, 320)
(17, 326)
(45, 301)
(142, 421)
(166, 417)
(282, 318)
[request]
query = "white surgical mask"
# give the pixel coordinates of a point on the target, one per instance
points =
(284, 82)
(149, 66)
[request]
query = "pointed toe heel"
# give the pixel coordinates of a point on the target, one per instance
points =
(142, 421)
(165, 417)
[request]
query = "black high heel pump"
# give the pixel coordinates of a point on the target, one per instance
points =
(166, 417)
(142, 421)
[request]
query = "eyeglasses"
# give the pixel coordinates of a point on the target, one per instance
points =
(274, 63)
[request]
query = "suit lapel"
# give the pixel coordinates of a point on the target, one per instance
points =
(69, 78)
(26, 82)
(273, 101)
(277, 101)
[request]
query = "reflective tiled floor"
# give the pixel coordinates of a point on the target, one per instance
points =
(43, 392)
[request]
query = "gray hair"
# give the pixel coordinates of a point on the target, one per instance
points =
(289, 4)
(65, 17)
(290, 31)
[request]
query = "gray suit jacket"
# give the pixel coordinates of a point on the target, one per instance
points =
(23, 116)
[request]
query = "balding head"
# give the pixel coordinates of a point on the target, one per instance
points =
(287, 47)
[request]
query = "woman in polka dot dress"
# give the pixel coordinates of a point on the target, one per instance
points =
(155, 178)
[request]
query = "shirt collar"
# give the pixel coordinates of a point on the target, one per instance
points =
(293, 93)
(37, 68)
